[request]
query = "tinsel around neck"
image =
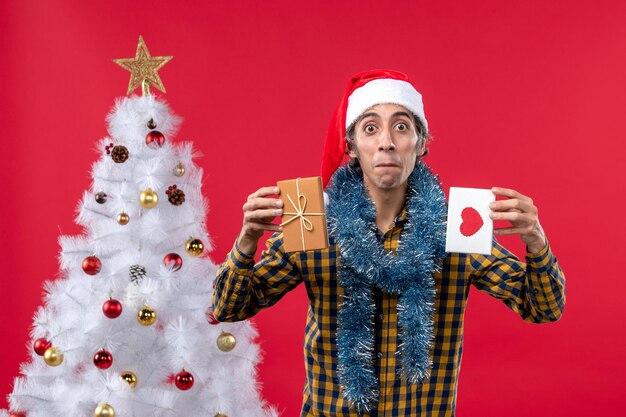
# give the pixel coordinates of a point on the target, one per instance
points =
(365, 265)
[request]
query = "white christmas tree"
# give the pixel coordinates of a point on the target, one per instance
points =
(127, 330)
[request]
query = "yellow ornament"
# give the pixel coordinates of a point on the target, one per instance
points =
(104, 410)
(220, 415)
(146, 316)
(226, 342)
(194, 247)
(53, 357)
(123, 218)
(179, 170)
(144, 69)
(148, 198)
(130, 378)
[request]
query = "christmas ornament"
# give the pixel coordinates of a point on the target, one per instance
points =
(103, 359)
(101, 198)
(143, 69)
(194, 247)
(112, 308)
(184, 380)
(123, 218)
(148, 198)
(53, 357)
(130, 378)
(17, 414)
(220, 415)
(151, 124)
(92, 265)
(146, 316)
(175, 196)
(179, 169)
(104, 410)
(119, 154)
(155, 139)
(226, 342)
(41, 345)
(137, 272)
(211, 317)
(173, 261)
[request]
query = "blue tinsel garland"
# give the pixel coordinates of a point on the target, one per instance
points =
(364, 264)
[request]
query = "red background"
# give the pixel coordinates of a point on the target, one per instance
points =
(528, 94)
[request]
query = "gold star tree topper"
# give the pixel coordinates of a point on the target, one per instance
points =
(144, 69)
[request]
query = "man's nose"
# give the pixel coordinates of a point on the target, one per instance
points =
(386, 140)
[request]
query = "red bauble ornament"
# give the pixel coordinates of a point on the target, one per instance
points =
(112, 308)
(155, 139)
(184, 380)
(41, 345)
(173, 260)
(16, 414)
(103, 359)
(92, 265)
(211, 317)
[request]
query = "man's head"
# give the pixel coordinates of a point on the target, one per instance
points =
(367, 102)
(385, 143)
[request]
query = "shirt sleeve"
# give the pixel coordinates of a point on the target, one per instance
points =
(243, 288)
(535, 289)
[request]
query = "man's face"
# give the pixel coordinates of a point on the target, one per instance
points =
(386, 145)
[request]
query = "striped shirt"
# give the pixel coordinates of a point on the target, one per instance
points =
(534, 289)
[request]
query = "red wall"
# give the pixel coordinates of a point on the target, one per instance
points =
(529, 95)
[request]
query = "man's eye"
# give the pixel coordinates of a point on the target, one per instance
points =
(370, 129)
(401, 127)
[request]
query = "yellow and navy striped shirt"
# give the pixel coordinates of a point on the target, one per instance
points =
(535, 290)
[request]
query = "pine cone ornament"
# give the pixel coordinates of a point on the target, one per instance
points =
(175, 195)
(119, 154)
(137, 272)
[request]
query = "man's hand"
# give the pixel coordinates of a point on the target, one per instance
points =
(522, 213)
(258, 213)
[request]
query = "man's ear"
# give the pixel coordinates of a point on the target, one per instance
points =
(351, 149)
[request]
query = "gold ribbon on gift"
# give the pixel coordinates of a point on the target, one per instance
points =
(300, 213)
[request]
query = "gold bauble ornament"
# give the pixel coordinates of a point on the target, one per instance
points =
(194, 247)
(104, 410)
(220, 415)
(179, 170)
(53, 357)
(226, 342)
(130, 378)
(123, 218)
(148, 198)
(146, 316)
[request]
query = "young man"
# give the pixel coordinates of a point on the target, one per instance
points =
(384, 330)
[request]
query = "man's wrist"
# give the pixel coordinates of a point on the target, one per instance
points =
(246, 245)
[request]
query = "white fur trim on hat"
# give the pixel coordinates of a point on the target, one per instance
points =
(384, 91)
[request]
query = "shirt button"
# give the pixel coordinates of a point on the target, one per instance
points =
(535, 291)
(380, 355)
(381, 316)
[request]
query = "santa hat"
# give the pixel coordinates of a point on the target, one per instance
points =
(365, 90)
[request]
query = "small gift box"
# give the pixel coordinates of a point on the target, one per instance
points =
(304, 214)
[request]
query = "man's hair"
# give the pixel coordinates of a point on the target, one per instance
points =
(423, 137)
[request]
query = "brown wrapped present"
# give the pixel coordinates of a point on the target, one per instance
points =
(304, 214)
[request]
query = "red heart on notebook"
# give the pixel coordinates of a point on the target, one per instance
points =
(472, 222)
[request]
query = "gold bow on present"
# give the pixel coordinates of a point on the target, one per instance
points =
(300, 213)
